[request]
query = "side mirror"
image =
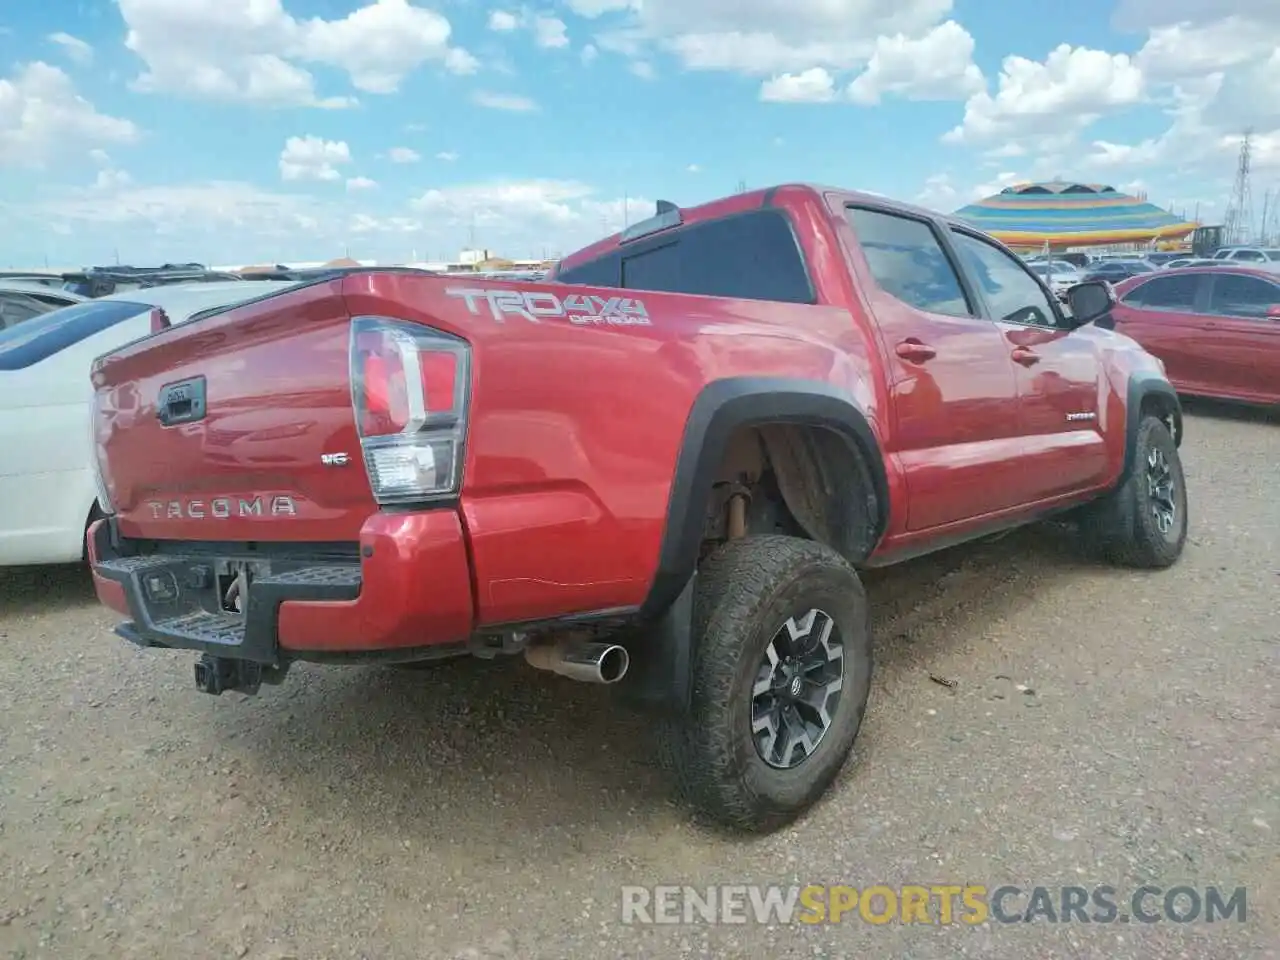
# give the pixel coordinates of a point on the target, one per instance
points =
(1090, 300)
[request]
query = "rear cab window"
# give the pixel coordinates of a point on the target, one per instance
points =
(744, 256)
(39, 338)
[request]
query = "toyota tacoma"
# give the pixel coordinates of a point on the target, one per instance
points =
(661, 468)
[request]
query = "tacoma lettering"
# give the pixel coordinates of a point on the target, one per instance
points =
(222, 508)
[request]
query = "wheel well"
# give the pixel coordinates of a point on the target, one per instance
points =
(799, 479)
(1165, 409)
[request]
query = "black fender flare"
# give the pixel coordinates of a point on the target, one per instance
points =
(722, 407)
(662, 646)
(1141, 386)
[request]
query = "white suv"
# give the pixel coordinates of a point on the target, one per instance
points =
(1267, 258)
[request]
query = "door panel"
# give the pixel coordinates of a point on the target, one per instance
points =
(1058, 405)
(1243, 351)
(953, 387)
(1057, 373)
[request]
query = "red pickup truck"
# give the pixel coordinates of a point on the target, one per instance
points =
(660, 469)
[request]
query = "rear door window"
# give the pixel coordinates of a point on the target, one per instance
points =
(1165, 293)
(41, 337)
(1235, 295)
(908, 262)
(749, 256)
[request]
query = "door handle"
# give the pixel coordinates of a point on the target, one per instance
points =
(915, 351)
(1025, 357)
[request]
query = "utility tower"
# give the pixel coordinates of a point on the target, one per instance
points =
(1239, 222)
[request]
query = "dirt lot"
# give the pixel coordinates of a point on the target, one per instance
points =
(482, 812)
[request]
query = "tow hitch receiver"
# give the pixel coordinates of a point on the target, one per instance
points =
(217, 674)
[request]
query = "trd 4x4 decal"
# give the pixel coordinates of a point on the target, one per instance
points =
(537, 305)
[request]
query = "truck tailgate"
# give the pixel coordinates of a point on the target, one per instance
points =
(237, 427)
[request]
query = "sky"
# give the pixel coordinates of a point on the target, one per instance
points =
(243, 131)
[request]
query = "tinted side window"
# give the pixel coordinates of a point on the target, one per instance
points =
(1237, 296)
(1014, 294)
(14, 310)
(751, 256)
(1252, 256)
(34, 340)
(601, 272)
(1166, 293)
(908, 262)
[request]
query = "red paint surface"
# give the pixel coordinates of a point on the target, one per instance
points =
(1207, 354)
(574, 430)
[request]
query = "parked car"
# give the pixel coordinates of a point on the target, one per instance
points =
(660, 469)
(47, 488)
(1162, 257)
(101, 281)
(23, 299)
(1216, 329)
(1263, 256)
(1059, 275)
(1187, 262)
(1114, 271)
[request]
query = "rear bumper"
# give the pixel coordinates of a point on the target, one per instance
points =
(409, 588)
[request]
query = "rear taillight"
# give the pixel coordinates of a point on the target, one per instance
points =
(99, 460)
(409, 388)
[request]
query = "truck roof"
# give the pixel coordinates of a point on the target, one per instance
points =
(668, 214)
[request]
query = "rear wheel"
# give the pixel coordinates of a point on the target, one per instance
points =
(1143, 523)
(781, 675)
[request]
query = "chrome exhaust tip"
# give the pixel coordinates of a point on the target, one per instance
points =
(585, 662)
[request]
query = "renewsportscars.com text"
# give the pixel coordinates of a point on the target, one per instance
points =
(940, 904)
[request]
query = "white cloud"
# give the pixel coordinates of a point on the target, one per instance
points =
(693, 168)
(503, 22)
(361, 183)
(767, 37)
(254, 50)
(100, 157)
(642, 69)
(1056, 98)
(937, 66)
(75, 48)
(815, 85)
(561, 214)
(549, 32)
(589, 53)
(503, 101)
(232, 222)
(939, 194)
(1181, 51)
(448, 156)
(313, 158)
(403, 155)
(42, 115)
(110, 179)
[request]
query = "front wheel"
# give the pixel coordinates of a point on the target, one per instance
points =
(781, 675)
(1143, 523)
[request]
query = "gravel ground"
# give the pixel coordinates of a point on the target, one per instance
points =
(496, 812)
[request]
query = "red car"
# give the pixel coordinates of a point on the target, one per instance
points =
(1217, 329)
(662, 468)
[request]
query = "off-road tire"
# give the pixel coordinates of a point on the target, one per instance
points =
(1121, 527)
(746, 592)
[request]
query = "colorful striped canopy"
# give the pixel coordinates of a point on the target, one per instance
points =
(1064, 214)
